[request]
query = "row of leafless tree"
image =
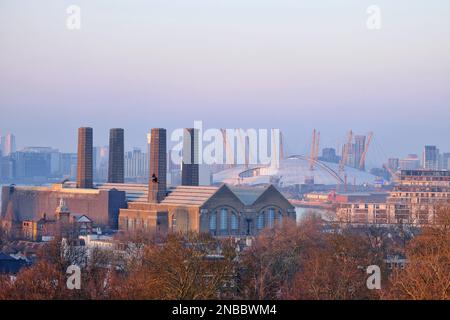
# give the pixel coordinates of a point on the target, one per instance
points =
(290, 262)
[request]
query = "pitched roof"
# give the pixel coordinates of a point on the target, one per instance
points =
(186, 195)
(81, 218)
(189, 195)
(248, 195)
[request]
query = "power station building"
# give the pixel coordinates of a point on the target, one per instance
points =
(221, 210)
(21, 203)
(27, 203)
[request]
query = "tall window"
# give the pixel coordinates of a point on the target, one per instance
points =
(271, 218)
(174, 222)
(280, 218)
(223, 219)
(131, 223)
(234, 222)
(213, 222)
(260, 221)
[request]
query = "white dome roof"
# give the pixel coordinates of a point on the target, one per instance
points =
(292, 171)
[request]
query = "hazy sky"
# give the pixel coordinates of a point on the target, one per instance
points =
(289, 64)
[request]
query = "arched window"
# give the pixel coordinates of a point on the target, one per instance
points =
(234, 222)
(213, 222)
(260, 221)
(271, 218)
(223, 219)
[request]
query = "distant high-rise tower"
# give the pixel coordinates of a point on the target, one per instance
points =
(8, 144)
(116, 156)
(411, 162)
(430, 158)
(158, 166)
(393, 164)
(329, 155)
(101, 159)
(189, 170)
(446, 161)
(85, 158)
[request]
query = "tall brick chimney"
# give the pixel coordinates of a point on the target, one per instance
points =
(116, 163)
(189, 168)
(158, 166)
(85, 158)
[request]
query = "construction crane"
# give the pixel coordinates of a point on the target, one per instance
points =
(314, 149)
(391, 172)
(316, 155)
(362, 162)
(345, 151)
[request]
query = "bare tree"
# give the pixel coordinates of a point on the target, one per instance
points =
(427, 271)
(181, 268)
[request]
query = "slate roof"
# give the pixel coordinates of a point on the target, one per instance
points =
(248, 195)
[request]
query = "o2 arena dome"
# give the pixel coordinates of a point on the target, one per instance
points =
(293, 171)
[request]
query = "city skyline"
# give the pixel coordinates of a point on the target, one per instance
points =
(375, 158)
(235, 153)
(294, 65)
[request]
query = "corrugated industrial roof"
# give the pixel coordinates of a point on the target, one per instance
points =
(189, 195)
(134, 192)
(184, 195)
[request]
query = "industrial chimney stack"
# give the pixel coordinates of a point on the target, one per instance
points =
(85, 159)
(116, 165)
(158, 166)
(190, 169)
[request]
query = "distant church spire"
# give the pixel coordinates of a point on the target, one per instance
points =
(62, 212)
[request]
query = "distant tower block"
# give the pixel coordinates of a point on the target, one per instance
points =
(85, 159)
(189, 171)
(116, 165)
(158, 166)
